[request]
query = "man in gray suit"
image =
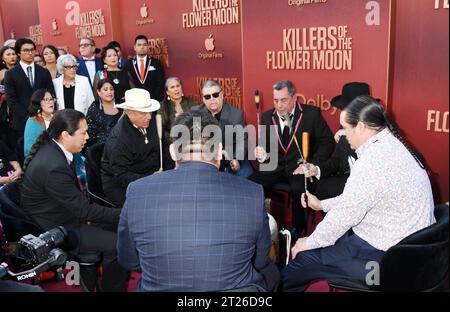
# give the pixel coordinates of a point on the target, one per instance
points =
(234, 139)
(195, 228)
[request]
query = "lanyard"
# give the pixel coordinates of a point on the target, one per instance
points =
(137, 72)
(297, 126)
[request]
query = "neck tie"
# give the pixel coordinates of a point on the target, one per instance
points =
(72, 166)
(286, 135)
(30, 75)
(142, 69)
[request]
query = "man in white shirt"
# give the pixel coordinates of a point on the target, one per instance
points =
(386, 198)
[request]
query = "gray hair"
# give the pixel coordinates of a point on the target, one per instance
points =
(210, 83)
(285, 84)
(168, 80)
(63, 60)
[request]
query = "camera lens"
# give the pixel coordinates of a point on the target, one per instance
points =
(57, 236)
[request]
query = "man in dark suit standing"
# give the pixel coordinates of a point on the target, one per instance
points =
(20, 83)
(195, 228)
(146, 71)
(290, 118)
(51, 195)
(88, 63)
(235, 145)
(334, 172)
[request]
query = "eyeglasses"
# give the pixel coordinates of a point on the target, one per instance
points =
(214, 95)
(28, 51)
(48, 100)
(68, 67)
(84, 45)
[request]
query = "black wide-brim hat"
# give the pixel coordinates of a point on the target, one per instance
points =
(349, 92)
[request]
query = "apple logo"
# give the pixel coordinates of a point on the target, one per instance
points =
(209, 43)
(54, 24)
(144, 11)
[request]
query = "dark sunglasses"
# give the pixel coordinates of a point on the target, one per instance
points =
(214, 95)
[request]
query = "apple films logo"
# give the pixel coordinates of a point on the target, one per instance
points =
(55, 31)
(144, 17)
(210, 48)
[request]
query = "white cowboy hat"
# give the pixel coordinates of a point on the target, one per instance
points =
(139, 100)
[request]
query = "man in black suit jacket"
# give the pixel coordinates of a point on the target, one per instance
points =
(52, 197)
(300, 118)
(236, 161)
(88, 63)
(21, 81)
(146, 71)
(332, 174)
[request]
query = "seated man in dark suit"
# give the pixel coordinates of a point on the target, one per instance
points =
(235, 143)
(195, 228)
(333, 173)
(132, 149)
(51, 195)
(288, 120)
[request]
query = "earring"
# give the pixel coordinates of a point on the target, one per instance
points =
(105, 66)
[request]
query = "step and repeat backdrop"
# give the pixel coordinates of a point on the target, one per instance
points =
(400, 48)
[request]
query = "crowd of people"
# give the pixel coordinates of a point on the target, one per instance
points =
(186, 198)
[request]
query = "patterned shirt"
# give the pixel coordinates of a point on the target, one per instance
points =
(386, 198)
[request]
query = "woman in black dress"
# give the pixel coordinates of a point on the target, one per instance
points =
(102, 115)
(120, 78)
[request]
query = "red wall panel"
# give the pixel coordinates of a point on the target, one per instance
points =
(420, 83)
(17, 16)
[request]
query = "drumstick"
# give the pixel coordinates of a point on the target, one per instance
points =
(305, 149)
(258, 112)
(159, 130)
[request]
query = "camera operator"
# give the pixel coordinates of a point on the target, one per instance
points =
(51, 194)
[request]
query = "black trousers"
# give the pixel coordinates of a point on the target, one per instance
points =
(93, 239)
(115, 195)
(297, 183)
(345, 259)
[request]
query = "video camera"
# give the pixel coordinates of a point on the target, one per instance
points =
(42, 252)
